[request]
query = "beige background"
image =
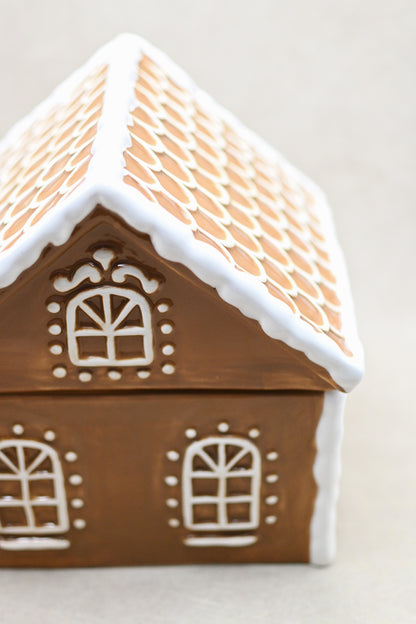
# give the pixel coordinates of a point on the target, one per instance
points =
(330, 83)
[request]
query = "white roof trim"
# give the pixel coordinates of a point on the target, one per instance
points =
(172, 239)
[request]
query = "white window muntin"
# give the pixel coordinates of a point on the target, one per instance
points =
(24, 473)
(109, 328)
(222, 471)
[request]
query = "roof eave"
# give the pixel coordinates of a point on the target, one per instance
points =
(174, 242)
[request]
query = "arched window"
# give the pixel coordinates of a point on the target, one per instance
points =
(221, 488)
(32, 495)
(109, 326)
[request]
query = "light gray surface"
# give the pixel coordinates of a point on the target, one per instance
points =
(331, 85)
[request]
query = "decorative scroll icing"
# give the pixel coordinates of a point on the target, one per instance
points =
(104, 257)
(96, 273)
(119, 275)
(85, 272)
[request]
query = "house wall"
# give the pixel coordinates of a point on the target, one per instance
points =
(122, 457)
(210, 344)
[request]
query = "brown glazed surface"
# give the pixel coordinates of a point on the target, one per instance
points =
(215, 346)
(221, 377)
(121, 442)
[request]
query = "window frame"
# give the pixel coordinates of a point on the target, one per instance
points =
(219, 471)
(22, 473)
(110, 332)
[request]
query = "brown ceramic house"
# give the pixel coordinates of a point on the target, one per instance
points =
(176, 331)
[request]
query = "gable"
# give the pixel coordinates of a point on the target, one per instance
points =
(196, 339)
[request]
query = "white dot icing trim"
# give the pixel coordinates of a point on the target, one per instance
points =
(71, 456)
(171, 480)
(271, 478)
(173, 522)
(168, 369)
(163, 307)
(143, 374)
(84, 376)
(115, 375)
(56, 349)
(75, 479)
(223, 427)
(55, 329)
(172, 502)
(166, 328)
(59, 372)
(168, 349)
(172, 455)
(77, 503)
(53, 307)
(271, 500)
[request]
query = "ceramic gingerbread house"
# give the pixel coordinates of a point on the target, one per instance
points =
(176, 331)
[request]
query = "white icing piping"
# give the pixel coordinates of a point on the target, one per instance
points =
(34, 543)
(327, 470)
(113, 136)
(85, 272)
(172, 239)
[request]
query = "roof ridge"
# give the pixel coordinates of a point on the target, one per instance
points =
(112, 136)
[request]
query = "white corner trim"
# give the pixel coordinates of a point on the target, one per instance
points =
(327, 470)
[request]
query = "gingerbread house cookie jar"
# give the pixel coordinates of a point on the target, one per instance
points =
(176, 331)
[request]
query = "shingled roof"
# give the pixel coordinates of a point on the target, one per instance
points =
(130, 130)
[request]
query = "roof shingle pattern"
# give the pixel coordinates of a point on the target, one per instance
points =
(49, 160)
(191, 162)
